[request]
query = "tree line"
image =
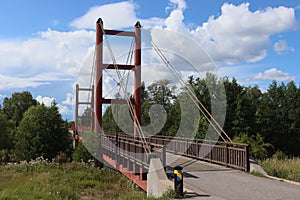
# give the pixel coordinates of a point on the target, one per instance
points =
(267, 120)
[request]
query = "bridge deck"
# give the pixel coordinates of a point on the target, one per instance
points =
(213, 182)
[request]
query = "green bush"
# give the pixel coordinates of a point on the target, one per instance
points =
(4, 157)
(280, 155)
(258, 147)
(81, 154)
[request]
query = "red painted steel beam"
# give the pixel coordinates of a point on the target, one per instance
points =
(137, 77)
(76, 105)
(136, 179)
(119, 33)
(84, 89)
(121, 67)
(116, 101)
(99, 73)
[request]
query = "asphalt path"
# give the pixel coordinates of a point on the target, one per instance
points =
(212, 182)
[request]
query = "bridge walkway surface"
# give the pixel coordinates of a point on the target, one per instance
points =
(213, 182)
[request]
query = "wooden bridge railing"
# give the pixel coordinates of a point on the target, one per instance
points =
(131, 153)
(232, 155)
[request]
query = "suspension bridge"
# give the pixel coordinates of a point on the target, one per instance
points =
(132, 153)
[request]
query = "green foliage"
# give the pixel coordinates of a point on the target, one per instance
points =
(15, 106)
(4, 157)
(42, 132)
(258, 148)
(245, 111)
(278, 116)
(81, 154)
(161, 93)
(6, 132)
(280, 155)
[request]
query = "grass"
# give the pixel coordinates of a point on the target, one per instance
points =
(282, 168)
(45, 180)
(255, 173)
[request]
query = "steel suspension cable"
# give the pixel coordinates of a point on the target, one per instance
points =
(92, 75)
(191, 94)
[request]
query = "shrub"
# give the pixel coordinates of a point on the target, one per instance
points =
(4, 157)
(280, 155)
(258, 147)
(81, 154)
(61, 157)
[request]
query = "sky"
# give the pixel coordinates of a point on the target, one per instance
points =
(46, 46)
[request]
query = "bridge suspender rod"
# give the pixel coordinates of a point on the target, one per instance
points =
(191, 94)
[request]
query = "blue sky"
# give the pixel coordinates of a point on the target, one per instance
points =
(44, 44)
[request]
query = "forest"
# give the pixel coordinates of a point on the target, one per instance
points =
(267, 120)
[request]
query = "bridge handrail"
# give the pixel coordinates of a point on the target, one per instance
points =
(184, 138)
(133, 148)
(234, 155)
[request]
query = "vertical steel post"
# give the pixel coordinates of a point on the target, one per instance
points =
(76, 106)
(137, 77)
(92, 108)
(99, 68)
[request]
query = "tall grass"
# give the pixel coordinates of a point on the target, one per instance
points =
(282, 167)
(45, 180)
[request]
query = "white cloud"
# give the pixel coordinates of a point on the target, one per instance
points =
(115, 15)
(152, 22)
(125, 17)
(48, 51)
(274, 74)
(47, 101)
(64, 110)
(36, 61)
(232, 41)
(176, 4)
(15, 82)
(281, 47)
(69, 99)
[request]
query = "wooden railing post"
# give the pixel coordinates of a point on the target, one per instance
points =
(247, 149)
(164, 157)
(226, 155)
